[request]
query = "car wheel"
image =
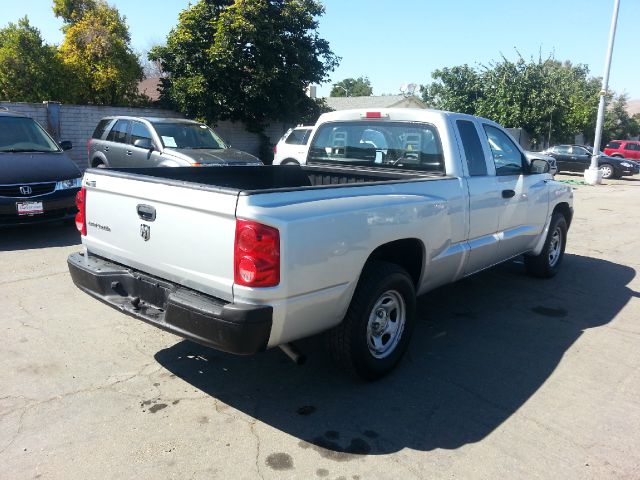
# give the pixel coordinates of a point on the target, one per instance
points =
(607, 171)
(290, 162)
(99, 165)
(547, 264)
(377, 328)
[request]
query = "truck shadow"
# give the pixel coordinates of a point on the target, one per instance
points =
(46, 235)
(481, 349)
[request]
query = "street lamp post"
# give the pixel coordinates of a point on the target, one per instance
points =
(593, 175)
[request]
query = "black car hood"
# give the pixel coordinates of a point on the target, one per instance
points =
(36, 168)
(221, 156)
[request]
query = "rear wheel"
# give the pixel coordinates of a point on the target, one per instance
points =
(376, 330)
(547, 263)
(290, 162)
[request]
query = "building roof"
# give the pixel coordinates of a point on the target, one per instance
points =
(382, 101)
(149, 87)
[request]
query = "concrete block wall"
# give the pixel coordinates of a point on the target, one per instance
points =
(77, 122)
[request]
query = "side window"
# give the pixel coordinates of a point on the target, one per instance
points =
(506, 155)
(139, 131)
(632, 146)
(613, 145)
(119, 132)
(579, 151)
(562, 150)
(102, 126)
(297, 137)
(472, 148)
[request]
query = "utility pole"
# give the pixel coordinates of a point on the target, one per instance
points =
(593, 175)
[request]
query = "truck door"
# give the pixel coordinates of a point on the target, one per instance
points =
(523, 196)
(484, 204)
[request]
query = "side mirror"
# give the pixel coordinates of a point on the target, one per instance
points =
(143, 143)
(66, 145)
(539, 165)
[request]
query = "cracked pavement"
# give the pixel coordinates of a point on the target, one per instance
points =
(506, 377)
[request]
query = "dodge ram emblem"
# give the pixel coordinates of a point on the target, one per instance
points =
(145, 232)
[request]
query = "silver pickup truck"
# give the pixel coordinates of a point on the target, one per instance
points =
(391, 204)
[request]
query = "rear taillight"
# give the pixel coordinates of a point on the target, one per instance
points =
(81, 203)
(275, 149)
(256, 255)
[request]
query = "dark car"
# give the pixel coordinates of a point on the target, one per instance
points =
(38, 182)
(160, 142)
(577, 158)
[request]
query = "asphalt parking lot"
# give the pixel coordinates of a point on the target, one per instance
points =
(507, 377)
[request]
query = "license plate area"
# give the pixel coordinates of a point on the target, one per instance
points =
(29, 208)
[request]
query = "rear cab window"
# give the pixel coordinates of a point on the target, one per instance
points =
(472, 148)
(397, 145)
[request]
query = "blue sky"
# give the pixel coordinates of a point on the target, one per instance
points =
(403, 41)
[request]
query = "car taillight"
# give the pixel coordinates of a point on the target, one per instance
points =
(81, 203)
(256, 255)
(275, 149)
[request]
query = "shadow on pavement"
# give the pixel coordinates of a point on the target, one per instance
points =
(482, 348)
(45, 235)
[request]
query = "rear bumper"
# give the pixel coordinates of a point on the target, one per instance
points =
(235, 328)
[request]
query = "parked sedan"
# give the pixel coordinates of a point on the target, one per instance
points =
(577, 158)
(160, 142)
(38, 182)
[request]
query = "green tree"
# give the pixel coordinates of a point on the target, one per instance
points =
(456, 89)
(30, 70)
(549, 99)
(618, 124)
(97, 50)
(245, 60)
(72, 10)
(352, 87)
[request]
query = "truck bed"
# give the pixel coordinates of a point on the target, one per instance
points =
(252, 180)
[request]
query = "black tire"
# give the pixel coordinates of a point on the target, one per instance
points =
(545, 265)
(607, 170)
(290, 162)
(349, 342)
(99, 165)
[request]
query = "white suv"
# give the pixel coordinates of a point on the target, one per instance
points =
(292, 147)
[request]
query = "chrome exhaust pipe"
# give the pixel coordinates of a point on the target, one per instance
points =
(291, 351)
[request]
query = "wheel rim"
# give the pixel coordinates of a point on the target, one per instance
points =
(606, 171)
(555, 247)
(386, 324)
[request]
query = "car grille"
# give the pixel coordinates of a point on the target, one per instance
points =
(30, 189)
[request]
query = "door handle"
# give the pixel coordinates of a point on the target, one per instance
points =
(508, 193)
(146, 212)
(106, 148)
(129, 152)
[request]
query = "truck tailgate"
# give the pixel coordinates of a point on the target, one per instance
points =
(179, 233)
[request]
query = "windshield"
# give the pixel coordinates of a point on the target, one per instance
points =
(398, 145)
(21, 134)
(188, 135)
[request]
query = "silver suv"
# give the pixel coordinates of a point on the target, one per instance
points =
(160, 142)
